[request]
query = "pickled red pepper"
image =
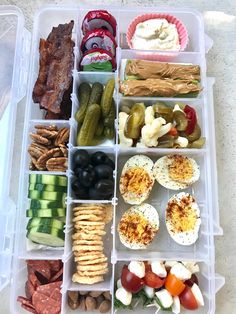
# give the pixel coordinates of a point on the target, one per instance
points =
(192, 119)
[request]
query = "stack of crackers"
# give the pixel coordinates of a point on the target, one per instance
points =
(89, 226)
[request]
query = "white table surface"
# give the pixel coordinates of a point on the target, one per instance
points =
(220, 25)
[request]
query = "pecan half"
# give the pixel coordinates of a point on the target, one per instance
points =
(57, 164)
(40, 139)
(36, 150)
(32, 164)
(46, 127)
(64, 150)
(62, 136)
(41, 162)
(46, 133)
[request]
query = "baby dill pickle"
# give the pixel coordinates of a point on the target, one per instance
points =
(89, 125)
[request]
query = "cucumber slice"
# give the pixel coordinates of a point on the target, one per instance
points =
(44, 204)
(47, 187)
(46, 235)
(51, 213)
(45, 195)
(48, 179)
(54, 223)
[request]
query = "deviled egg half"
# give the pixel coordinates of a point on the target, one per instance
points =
(137, 179)
(183, 218)
(176, 172)
(138, 226)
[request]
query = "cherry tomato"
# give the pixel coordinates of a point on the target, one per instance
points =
(191, 281)
(153, 281)
(192, 119)
(174, 285)
(147, 267)
(187, 299)
(130, 281)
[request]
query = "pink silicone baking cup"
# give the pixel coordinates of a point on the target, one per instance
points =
(182, 31)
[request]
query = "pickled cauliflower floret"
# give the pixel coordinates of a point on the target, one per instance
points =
(153, 128)
(149, 115)
(181, 141)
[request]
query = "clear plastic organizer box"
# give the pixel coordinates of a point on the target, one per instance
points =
(205, 190)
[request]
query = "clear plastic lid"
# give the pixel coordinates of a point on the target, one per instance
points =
(11, 81)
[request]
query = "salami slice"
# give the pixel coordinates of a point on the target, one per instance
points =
(28, 308)
(49, 288)
(56, 295)
(40, 266)
(25, 303)
(34, 280)
(43, 296)
(55, 265)
(45, 305)
(29, 289)
(57, 276)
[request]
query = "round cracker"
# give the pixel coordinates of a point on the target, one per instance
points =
(108, 213)
(85, 236)
(80, 248)
(92, 267)
(91, 261)
(87, 255)
(88, 228)
(89, 217)
(87, 242)
(86, 279)
(93, 273)
(98, 212)
(90, 223)
(88, 207)
(97, 232)
(84, 256)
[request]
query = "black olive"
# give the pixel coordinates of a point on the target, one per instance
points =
(105, 186)
(82, 194)
(87, 177)
(77, 171)
(103, 172)
(110, 163)
(95, 195)
(80, 191)
(99, 158)
(81, 158)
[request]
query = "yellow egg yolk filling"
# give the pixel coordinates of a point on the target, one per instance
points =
(180, 169)
(136, 181)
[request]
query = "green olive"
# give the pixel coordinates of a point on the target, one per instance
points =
(163, 111)
(181, 120)
(166, 141)
(198, 143)
(195, 135)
